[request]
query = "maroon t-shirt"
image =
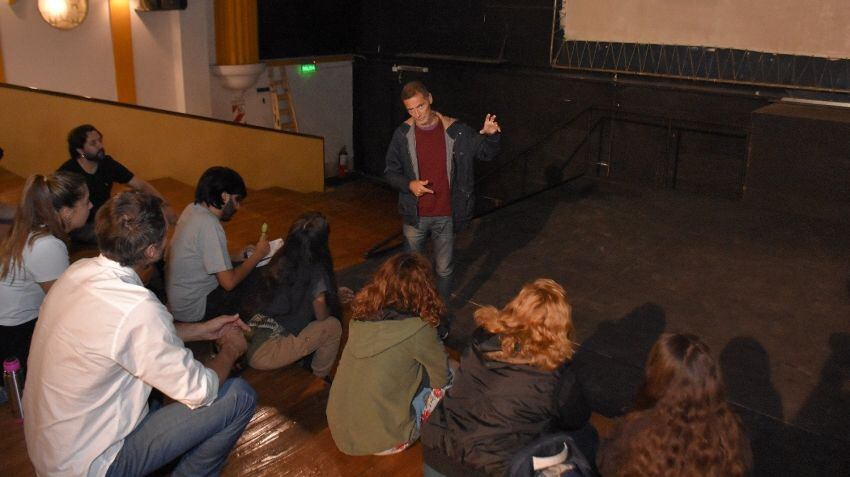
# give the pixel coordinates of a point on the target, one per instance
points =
(431, 154)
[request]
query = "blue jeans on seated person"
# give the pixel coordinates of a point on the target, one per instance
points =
(202, 436)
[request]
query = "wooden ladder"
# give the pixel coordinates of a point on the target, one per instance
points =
(282, 107)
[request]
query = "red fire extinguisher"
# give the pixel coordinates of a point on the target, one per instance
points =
(343, 161)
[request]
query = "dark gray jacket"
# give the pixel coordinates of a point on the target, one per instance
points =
(463, 146)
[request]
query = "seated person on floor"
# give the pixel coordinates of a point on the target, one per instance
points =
(35, 253)
(681, 424)
(103, 341)
(201, 280)
(88, 159)
(515, 383)
(292, 303)
(392, 360)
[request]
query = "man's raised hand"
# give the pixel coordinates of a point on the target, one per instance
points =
(490, 125)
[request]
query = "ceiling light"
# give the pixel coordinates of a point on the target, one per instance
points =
(63, 14)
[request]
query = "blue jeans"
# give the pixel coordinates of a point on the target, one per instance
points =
(442, 235)
(203, 436)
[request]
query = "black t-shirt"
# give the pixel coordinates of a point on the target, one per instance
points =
(100, 183)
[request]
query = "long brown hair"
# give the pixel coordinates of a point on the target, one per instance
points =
(535, 327)
(405, 282)
(38, 215)
(692, 431)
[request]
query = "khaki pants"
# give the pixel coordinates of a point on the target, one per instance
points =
(321, 337)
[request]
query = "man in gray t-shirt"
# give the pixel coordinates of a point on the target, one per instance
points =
(201, 280)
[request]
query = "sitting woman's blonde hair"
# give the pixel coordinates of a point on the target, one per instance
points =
(535, 327)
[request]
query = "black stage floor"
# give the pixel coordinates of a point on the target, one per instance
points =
(769, 293)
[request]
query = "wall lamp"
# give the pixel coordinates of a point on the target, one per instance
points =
(63, 14)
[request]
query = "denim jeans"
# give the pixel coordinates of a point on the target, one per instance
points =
(203, 436)
(442, 235)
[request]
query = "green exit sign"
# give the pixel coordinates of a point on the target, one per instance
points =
(307, 69)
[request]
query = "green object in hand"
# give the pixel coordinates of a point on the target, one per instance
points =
(264, 228)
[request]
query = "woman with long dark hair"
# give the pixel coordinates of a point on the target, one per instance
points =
(293, 305)
(514, 385)
(392, 347)
(681, 425)
(35, 253)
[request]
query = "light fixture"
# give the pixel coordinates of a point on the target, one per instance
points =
(63, 14)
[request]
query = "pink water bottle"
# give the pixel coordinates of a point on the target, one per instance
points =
(12, 377)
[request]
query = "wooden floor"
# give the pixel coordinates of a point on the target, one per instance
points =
(288, 435)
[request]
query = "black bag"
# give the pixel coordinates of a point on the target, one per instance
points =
(552, 455)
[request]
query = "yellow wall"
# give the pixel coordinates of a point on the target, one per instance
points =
(34, 127)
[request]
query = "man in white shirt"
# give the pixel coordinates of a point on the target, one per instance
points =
(103, 341)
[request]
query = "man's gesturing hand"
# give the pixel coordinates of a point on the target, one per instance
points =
(490, 125)
(418, 188)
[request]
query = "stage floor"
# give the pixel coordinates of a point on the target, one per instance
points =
(768, 292)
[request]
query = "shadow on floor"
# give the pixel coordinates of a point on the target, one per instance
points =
(610, 362)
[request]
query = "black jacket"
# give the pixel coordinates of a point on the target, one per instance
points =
(494, 409)
(466, 145)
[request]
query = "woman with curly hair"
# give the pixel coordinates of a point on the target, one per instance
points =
(35, 253)
(392, 353)
(514, 385)
(681, 425)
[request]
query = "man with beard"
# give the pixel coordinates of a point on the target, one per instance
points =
(102, 341)
(88, 158)
(201, 280)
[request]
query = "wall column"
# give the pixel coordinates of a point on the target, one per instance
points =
(122, 51)
(236, 37)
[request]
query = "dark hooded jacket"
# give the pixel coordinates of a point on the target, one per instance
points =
(381, 370)
(494, 409)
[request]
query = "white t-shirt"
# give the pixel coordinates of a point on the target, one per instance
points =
(20, 292)
(198, 251)
(101, 342)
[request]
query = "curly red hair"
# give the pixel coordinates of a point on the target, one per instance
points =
(405, 282)
(686, 427)
(535, 327)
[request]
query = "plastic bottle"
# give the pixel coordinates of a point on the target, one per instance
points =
(13, 379)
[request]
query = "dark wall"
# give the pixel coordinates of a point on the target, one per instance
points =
(516, 31)
(800, 160)
(557, 125)
(492, 56)
(292, 28)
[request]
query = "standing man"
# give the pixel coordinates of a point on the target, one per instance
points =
(101, 343)
(201, 280)
(430, 162)
(88, 158)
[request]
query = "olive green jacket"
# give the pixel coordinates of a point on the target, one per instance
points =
(380, 372)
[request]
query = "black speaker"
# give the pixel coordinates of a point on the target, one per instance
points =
(156, 5)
